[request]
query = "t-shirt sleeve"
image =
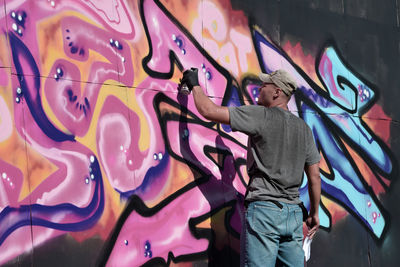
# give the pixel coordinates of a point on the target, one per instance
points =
(247, 119)
(313, 155)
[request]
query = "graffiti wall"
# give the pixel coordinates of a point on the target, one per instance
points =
(102, 162)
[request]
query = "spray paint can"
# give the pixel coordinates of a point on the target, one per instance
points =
(184, 89)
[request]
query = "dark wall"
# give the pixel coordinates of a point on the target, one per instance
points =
(367, 33)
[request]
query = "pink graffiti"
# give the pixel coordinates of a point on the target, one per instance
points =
(169, 38)
(10, 185)
(72, 182)
(73, 106)
(5, 120)
(166, 231)
(165, 36)
(118, 133)
(67, 185)
(116, 16)
(244, 47)
(170, 231)
(3, 77)
(235, 46)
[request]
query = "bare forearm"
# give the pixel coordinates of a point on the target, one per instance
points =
(314, 187)
(203, 103)
(314, 191)
(207, 108)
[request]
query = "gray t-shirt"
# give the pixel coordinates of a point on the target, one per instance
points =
(279, 146)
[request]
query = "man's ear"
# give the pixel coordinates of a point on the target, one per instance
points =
(278, 91)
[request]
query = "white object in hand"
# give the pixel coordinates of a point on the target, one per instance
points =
(184, 89)
(307, 247)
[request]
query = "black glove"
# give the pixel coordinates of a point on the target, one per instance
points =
(190, 78)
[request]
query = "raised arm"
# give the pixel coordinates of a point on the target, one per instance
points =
(314, 191)
(207, 108)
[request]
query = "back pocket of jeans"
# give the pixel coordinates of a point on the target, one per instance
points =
(266, 219)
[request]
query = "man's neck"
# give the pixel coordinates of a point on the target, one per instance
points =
(282, 105)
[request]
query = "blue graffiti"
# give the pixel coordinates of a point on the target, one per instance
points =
(335, 117)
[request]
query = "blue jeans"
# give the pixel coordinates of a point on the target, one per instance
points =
(272, 236)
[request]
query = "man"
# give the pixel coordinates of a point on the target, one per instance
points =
(280, 149)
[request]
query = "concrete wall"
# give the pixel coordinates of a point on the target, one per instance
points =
(103, 163)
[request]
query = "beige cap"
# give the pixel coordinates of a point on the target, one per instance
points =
(281, 79)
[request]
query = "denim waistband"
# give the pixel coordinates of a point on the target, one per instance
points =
(280, 205)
